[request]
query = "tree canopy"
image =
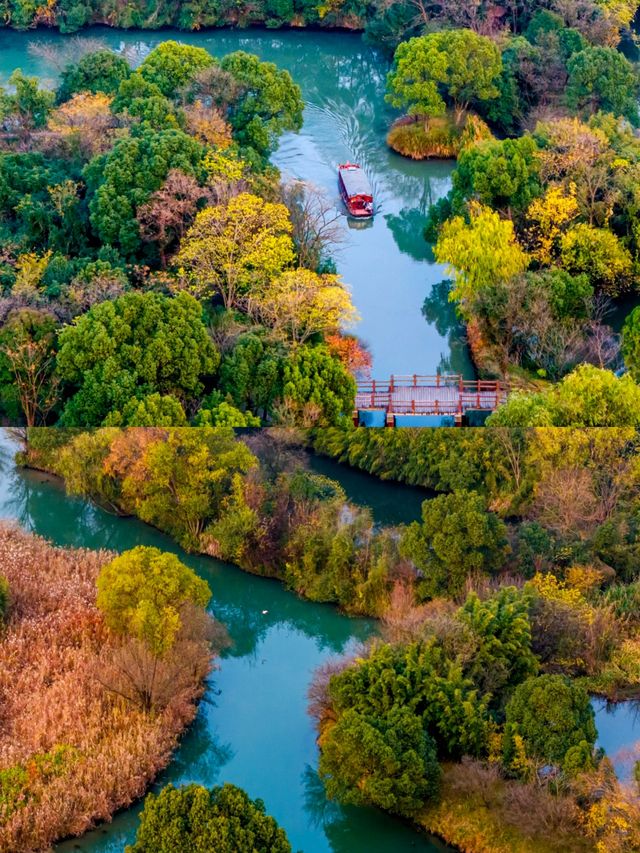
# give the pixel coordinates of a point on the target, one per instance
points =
(138, 344)
(172, 65)
(459, 63)
(552, 716)
(223, 819)
(457, 535)
(101, 71)
(601, 78)
(141, 593)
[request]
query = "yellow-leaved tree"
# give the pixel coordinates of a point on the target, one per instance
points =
(85, 122)
(548, 218)
(480, 252)
(232, 249)
(301, 303)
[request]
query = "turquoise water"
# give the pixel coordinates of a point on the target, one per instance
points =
(252, 728)
(406, 318)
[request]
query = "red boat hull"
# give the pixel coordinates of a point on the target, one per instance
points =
(355, 191)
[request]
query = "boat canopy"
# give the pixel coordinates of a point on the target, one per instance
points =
(355, 182)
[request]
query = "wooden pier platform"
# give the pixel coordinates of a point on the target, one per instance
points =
(445, 394)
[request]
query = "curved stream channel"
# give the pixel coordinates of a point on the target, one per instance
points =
(407, 321)
(252, 727)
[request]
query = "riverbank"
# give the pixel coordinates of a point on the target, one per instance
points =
(251, 503)
(261, 16)
(72, 751)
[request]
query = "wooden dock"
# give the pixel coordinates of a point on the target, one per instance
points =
(444, 394)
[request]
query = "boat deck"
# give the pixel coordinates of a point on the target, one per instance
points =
(429, 395)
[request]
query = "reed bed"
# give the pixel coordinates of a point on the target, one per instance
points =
(71, 752)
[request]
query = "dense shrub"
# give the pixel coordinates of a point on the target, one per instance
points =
(223, 819)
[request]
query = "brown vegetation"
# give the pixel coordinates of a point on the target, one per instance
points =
(71, 751)
(480, 812)
(439, 137)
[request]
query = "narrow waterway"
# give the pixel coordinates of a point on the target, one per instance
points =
(407, 321)
(252, 728)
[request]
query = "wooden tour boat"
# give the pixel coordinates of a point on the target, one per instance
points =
(355, 190)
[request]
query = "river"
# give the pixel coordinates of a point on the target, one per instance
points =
(407, 321)
(252, 727)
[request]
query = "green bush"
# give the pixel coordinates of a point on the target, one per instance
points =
(193, 818)
(554, 718)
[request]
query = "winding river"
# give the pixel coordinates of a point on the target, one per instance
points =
(407, 321)
(252, 727)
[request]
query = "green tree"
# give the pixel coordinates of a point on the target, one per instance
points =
(133, 346)
(269, 104)
(133, 89)
(124, 180)
(502, 174)
(171, 65)
(193, 818)
(423, 679)
(181, 480)
(501, 626)
(141, 593)
(552, 715)
(101, 71)
(387, 761)
(251, 374)
(599, 254)
(601, 78)
(457, 537)
(587, 397)
(462, 65)
(223, 413)
(152, 410)
(316, 387)
(28, 107)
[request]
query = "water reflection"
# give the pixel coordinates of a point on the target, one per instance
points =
(619, 734)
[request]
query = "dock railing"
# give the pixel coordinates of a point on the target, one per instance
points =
(441, 394)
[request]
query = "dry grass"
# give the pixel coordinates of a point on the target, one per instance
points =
(439, 137)
(479, 812)
(51, 655)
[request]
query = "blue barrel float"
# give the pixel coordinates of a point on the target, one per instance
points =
(372, 417)
(424, 420)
